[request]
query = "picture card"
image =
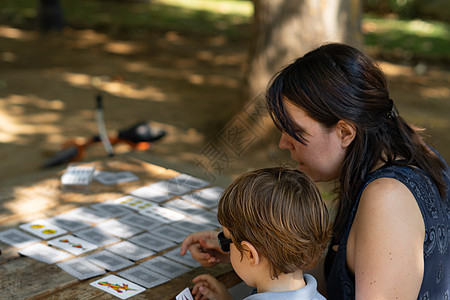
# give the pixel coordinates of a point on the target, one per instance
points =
(186, 259)
(171, 187)
(143, 276)
(68, 222)
(111, 210)
(43, 229)
(96, 236)
(171, 233)
(165, 266)
(184, 207)
(207, 217)
(208, 197)
(190, 181)
(163, 214)
(72, 244)
(135, 203)
(88, 215)
(77, 175)
(152, 194)
(152, 242)
(81, 268)
(141, 221)
(109, 261)
(118, 228)
(191, 225)
(118, 286)
(130, 250)
(44, 253)
(184, 295)
(109, 178)
(17, 238)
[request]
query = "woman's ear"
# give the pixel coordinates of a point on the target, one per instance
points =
(251, 253)
(346, 132)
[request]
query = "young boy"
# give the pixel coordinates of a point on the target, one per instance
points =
(275, 225)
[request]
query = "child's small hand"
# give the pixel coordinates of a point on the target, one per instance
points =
(208, 287)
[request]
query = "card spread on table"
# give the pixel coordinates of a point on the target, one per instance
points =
(186, 259)
(109, 178)
(72, 244)
(165, 266)
(109, 261)
(144, 276)
(151, 241)
(208, 197)
(163, 214)
(185, 207)
(134, 203)
(88, 215)
(191, 225)
(68, 222)
(44, 253)
(77, 175)
(17, 238)
(141, 221)
(152, 194)
(184, 295)
(171, 233)
(130, 250)
(118, 228)
(81, 268)
(96, 236)
(118, 286)
(190, 181)
(110, 209)
(43, 229)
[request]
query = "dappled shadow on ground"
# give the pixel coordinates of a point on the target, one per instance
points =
(188, 85)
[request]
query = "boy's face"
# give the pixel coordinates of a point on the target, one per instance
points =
(240, 262)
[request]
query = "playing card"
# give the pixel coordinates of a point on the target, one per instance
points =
(141, 221)
(130, 250)
(144, 277)
(165, 266)
(186, 259)
(77, 175)
(152, 241)
(134, 203)
(191, 225)
(68, 222)
(152, 194)
(163, 214)
(117, 286)
(207, 217)
(44, 253)
(184, 295)
(72, 244)
(171, 187)
(110, 209)
(118, 228)
(17, 238)
(81, 268)
(109, 261)
(109, 178)
(185, 207)
(96, 236)
(208, 197)
(43, 229)
(190, 181)
(171, 233)
(88, 215)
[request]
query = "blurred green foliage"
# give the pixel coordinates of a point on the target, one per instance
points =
(386, 36)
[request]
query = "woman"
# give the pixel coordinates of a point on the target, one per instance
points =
(392, 216)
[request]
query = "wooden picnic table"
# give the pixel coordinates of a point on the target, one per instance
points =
(26, 278)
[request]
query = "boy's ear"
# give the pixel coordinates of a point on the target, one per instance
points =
(251, 252)
(346, 132)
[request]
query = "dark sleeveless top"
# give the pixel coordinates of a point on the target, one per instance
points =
(436, 252)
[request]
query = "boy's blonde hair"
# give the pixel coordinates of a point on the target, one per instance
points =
(281, 213)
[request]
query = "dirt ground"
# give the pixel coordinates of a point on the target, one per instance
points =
(186, 85)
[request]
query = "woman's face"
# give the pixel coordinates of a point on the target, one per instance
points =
(322, 156)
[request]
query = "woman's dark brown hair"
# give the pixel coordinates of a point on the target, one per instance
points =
(338, 82)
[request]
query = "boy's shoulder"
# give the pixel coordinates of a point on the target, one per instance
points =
(308, 292)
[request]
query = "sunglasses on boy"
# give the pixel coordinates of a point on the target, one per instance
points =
(224, 243)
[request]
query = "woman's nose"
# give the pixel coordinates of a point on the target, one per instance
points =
(284, 142)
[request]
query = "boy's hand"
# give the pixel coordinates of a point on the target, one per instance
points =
(204, 248)
(208, 287)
